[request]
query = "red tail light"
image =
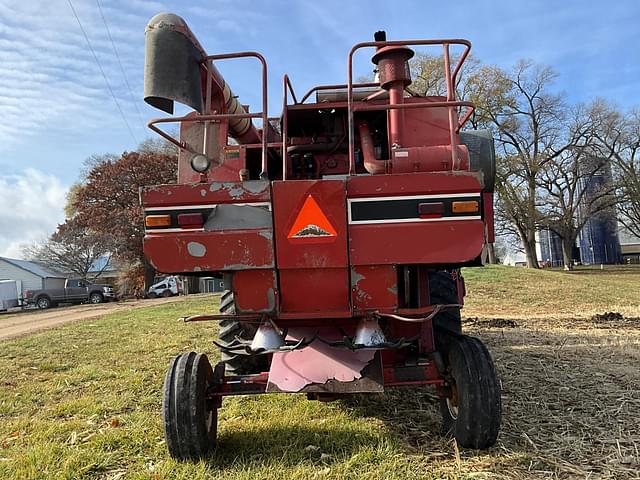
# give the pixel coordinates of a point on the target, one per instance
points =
(190, 220)
(431, 210)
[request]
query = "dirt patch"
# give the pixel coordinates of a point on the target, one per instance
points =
(614, 320)
(570, 401)
(491, 323)
(19, 324)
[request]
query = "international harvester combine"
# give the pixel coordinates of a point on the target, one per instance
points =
(339, 228)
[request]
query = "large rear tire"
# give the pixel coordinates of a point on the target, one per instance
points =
(473, 412)
(443, 290)
(190, 419)
(229, 330)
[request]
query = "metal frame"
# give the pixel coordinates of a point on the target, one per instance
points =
(209, 117)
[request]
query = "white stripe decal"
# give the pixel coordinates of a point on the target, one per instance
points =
(413, 220)
(210, 205)
(173, 230)
(410, 197)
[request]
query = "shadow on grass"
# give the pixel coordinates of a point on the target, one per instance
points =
(290, 446)
(564, 409)
(613, 270)
(410, 415)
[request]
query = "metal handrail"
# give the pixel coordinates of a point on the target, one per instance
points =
(337, 87)
(289, 87)
(451, 104)
(222, 116)
(286, 88)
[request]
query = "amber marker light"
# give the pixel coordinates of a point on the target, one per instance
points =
(157, 221)
(471, 206)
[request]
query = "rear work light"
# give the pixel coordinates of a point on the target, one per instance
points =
(190, 220)
(470, 206)
(157, 221)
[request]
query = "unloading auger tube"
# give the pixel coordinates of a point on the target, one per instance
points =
(175, 69)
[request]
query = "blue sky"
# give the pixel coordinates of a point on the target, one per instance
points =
(57, 110)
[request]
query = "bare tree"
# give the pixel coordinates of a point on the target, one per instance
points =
(71, 249)
(532, 132)
(527, 120)
(575, 185)
(618, 137)
(485, 85)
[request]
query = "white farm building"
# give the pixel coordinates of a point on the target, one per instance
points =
(29, 275)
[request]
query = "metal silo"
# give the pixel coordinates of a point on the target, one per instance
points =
(550, 248)
(598, 240)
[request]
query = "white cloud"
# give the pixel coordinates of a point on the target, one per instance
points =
(49, 78)
(31, 207)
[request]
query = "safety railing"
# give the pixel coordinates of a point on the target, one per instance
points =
(208, 116)
(455, 123)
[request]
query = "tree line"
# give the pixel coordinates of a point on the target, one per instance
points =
(547, 151)
(104, 216)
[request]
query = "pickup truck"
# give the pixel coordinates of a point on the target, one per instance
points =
(74, 291)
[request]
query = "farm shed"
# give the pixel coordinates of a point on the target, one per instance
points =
(29, 275)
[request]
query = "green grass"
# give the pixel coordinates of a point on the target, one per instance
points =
(83, 401)
(524, 293)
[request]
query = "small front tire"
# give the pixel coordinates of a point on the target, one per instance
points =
(190, 418)
(472, 413)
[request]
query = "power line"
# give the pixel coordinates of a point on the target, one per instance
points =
(115, 50)
(106, 81)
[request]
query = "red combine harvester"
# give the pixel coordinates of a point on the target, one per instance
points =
(339, 228)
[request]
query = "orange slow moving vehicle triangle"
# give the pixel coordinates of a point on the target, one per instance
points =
(312, 224)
